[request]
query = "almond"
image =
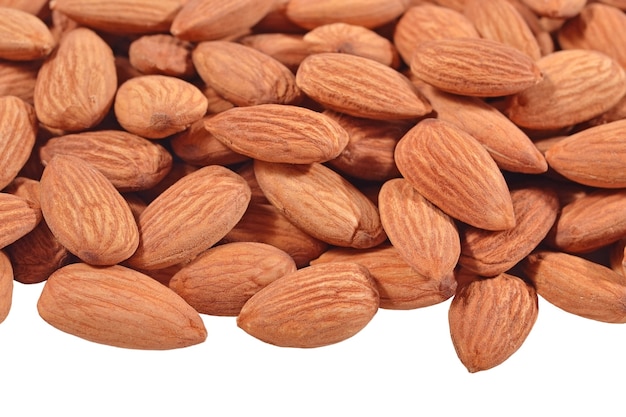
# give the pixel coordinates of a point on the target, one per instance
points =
(279, 133)
(162, 54)
(18, 79)
(86, 213)
(18, 216)
(556, 8)
(490, 319)
(34, 7)
(23, 36)
(6, 286)
(119, 307)
(366, 13)
(312, 307)
(18, 131)
(469, 187)
(288, 49)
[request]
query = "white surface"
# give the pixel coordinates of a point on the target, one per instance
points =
(401, 364)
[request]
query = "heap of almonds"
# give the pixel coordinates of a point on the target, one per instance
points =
(300, 164)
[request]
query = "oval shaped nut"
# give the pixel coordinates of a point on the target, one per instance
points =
(156, 106)
(453, 171)
(23, 36)
(279, 133)
(562, 99)
(425, 236)
(287, 48)
(490, 318)
(322, 203)
(129, 161)
(367, 13)
(489, 253)
(243, 75)
(399, 285)
(595, 156)
(206, 20)
(18, 79)
(18, 216)
(162, 54)
(578, 286)
(121, 16)
(18, 131)
(120, 307)
(76, 85)
(360, 87)
(474, 67)
(189, 217)
(222, 279)
(6, 286)
(312, 307)
(86, 213)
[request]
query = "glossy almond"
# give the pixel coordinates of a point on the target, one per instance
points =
(18, 216)
(156, 106)
(77, 82)
(322, 203)
(490, 319)
(366, 13)
(222, 279)
(454, 172)
(23, 36)
(360, 87)
(18, 131)
(474, 67)
(189, 217)
(120, 307)
(6, 286)
(312, 307)
(279, 133)
(86, 213)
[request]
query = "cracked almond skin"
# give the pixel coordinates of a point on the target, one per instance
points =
(474, 67)
(18, 132)
(425, 236)
(6, 286)
(18, 216)
(86, 213)
(321, 203)
(23, 36)
(455, 172)
(490, 318)
(76, 84)
(360, 87)
(490, 253)
(120, 307)
(578, 286)
(315, 306)
(279, 133)
(189, 217)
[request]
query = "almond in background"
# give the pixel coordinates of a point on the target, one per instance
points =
(18, 132)
(6, 286)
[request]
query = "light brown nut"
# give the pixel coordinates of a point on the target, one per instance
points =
(562, 98)
(34, 7)
(490, 319)
(556, 8)
(6, 286)
(454, 172)
(120, 307)
(162, 54)
(288, 49)
(312, 307)
(18, 131)
(23, 36)
(243, 75)
(321, 203)
(222, 279)
(399, 285)
(360, 87)
(425, 236)
(474, 67)
(490, 253)
(76, 84)
(156, 106)
(189, 217)
(18, 79)
(578, 285)
(18, 216)
(27, 188)
(366, 13)
(279, 133)
(86, 213)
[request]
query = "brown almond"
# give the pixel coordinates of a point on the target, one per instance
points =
(18, 131)
(556, 8)
(453, 171)
(18, 216)
(34, 7)
(86, 213)
(23, 36)
(312, 307)
(222, 279)
(120, 307)
(6, 286)
(18, 79)
(162, 54)
(288, 49)
(366, 13)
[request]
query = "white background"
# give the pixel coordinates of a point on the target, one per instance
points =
(401, 364)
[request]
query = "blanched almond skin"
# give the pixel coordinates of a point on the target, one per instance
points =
(279, 133)
(222, 279)
(6, 286)
(189, 217)
(120, 307)
(399, 285)
(366, 13)
(322, 203)
(454, 172)
(490, 318)
(360, 87)
(315, 306)
(156, 106)
(18, 216)
(23, 36)
(578, 285)
(18, 131)
(86, 213)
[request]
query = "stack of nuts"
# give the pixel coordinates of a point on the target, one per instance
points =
(300, 164)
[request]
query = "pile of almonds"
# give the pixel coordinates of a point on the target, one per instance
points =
(300, 164)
